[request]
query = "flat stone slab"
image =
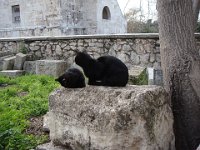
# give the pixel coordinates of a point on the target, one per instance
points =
(51, 67)
(107, 118)
(12, 73)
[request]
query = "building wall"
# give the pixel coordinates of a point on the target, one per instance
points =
(116, 23)
(59, 18)
(38, 17)
(33, 13)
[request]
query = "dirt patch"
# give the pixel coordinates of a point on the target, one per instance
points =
(21, 94)
(36, 127)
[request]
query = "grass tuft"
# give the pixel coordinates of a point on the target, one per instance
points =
(22, 98)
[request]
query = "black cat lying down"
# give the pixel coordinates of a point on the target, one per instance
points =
(72, 78)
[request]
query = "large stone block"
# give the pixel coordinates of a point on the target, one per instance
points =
(106, 118)
(30, 67)
(19, 61)
(8, 63)
(51, 67)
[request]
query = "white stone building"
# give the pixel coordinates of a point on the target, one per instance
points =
(60, 17)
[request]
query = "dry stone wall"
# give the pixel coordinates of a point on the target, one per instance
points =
(133, 49)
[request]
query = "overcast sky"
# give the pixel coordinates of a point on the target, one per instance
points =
(127, 4)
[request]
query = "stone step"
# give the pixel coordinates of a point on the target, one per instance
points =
(12, 73)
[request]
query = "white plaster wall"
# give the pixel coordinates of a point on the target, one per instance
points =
(32, 12)
(38, 18)
(117, 23)
(81, 18)
(5, 14)
(60, 17)
(90, 14)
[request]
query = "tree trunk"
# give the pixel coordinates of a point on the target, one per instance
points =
(181, 68)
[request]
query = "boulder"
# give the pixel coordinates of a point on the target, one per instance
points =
(107, 118)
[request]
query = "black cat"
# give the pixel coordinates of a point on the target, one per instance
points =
(72, 78)
(105, 71)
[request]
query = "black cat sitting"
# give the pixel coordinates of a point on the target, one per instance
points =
(104, 71)
(72, 78)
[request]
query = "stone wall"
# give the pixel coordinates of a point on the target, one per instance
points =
(133, 49)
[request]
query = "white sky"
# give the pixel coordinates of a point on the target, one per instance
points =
(151, 10)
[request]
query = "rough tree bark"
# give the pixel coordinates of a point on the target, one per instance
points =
(181, 68)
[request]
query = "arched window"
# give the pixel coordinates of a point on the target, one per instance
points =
(106, 13)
